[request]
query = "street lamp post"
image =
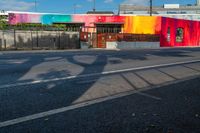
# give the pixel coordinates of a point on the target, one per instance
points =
(151, 7)
(35, 5)
(74, 8)
(94, 6)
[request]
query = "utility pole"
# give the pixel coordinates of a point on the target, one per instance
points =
(198, 2)
(94, 6)
(74, 8)
(35, 5)
(151, 7)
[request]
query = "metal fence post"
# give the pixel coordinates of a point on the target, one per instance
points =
(31, 40)
(54, 43)
(59, 39)
(1, 40)
(15, 44)
(4, 41)
(37, 39)
(0, 44)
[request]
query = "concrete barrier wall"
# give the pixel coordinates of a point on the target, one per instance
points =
(39, 39)
(85, 45)
(7, 39)
(132, 45)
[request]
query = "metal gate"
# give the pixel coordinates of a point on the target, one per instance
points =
(101, 41)
(92, 39)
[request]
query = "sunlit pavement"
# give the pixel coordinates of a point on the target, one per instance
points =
(100, 91)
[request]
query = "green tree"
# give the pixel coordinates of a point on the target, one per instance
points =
(3, 22)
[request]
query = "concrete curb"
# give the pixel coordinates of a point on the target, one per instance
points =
(90, 50)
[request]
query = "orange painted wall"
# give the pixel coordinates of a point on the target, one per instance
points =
(142, 25)
(132, 24)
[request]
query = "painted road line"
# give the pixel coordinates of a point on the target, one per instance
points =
(72, 107)
(88, 103)
(97, 74)
(87, 81)
(92, 81)
(61, 110)
(148, 95)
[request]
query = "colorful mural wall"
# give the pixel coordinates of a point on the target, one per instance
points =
(38, 18)
(177, 32)
(173, 32)
(142, 25)
(132, 24)
(24, 18)
(184, 16)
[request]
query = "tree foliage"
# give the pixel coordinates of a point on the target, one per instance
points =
(30, 26)
(3, 22)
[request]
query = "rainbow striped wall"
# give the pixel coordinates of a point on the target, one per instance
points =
(132, 24)
(38, 18)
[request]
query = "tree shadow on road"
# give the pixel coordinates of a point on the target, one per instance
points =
(35, 98)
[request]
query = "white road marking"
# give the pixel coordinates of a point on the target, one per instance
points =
(64, 109)
(147, 95)
(85, 104)
(91, 81)
(96, 74)
(86, 82)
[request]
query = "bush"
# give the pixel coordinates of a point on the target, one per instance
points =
(32, 26)
(3, 22)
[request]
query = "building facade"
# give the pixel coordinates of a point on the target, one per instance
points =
(102, 31)
(165, 9)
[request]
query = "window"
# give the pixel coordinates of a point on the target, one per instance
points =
(168, 34)
(109, 28)
(73, 28)
(179, 35)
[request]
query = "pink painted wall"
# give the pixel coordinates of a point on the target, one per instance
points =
(24, 18)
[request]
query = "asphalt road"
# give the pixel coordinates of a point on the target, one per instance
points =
(100, 91)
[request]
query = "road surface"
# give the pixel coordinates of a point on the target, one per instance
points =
(155, 90)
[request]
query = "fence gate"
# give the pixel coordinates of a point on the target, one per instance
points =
(101, 41)
(94, 40)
